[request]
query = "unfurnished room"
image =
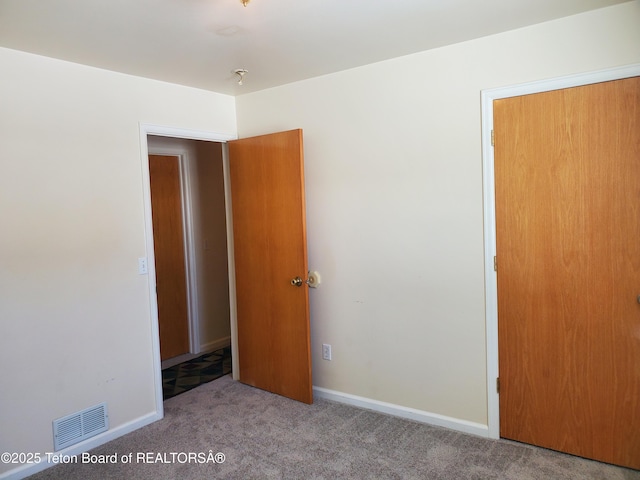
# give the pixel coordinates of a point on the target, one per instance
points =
(284, 239)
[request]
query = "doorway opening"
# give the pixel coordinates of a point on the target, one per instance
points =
(200, 204)
(283, 194)
(191, 260)
(208, 246)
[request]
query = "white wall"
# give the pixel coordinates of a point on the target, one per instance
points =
(394, 203)
(75, 324)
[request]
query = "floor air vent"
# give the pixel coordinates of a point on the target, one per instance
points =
(79, 426)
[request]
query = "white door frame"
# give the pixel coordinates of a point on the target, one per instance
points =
(159, 130)
(491, 286)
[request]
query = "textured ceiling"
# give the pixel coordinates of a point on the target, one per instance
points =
(200, 42)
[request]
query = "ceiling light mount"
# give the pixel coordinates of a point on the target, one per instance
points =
(240, 72)
(245, 2)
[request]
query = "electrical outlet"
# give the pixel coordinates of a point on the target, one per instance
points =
(326, 351)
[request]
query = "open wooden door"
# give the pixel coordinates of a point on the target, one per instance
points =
(270, 248)
(567, 171)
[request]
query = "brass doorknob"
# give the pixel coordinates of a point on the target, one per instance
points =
(296, 282)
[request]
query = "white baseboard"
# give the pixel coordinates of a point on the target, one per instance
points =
(79, 448)
(319, 392)
(403, 412)
(216, 344)
(206, 348)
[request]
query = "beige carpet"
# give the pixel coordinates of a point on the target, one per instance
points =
(264, 436)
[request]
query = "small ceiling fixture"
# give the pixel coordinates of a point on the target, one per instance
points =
(244, 2)
(241, 72)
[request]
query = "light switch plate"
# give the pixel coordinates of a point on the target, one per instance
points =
(142, 266)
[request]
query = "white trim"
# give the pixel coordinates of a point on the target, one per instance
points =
(164, 131)
(151, 263)
(145, 131)
(204, 349)
(559, 83)
(491, 286)
(216, 344)
(191, 265)
(179, 359)
(403, 412)
(79, 448)
(233, 310)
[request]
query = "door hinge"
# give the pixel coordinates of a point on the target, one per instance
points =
(493, 139)
(498, 385)
(495, 264)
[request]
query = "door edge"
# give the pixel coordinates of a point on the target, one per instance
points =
(233, 310)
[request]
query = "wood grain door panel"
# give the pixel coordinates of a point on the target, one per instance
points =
(168, 244)
(567, 175)
(270, 249)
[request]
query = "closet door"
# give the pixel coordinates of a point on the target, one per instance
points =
(567, 174)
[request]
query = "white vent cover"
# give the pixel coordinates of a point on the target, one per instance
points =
(79, 426)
